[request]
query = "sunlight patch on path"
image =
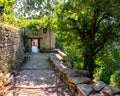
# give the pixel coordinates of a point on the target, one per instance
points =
(36, 78)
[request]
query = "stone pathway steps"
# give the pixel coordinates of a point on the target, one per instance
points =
(36, 78)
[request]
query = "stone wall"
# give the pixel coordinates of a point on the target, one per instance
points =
(11, 50)
(11, 53)
(78, 82)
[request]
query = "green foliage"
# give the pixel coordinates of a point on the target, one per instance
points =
(97, 73)
(1, 2)
(110, 56)
(115, 79)
(107, 62)
(94, 22)
(58, 44)
(74, 57)
(102, 74)
(71, 45)
(8, 15)
(35, 23)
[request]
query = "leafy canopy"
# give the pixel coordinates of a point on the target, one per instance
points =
(95, 22)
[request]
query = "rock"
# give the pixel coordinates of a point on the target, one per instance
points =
(62, 67)
(110, 90)
(79, 80)
(86, 89)
(63, 55)
(58, 57)
(105, 93)
(83, 73)
(69, 72)
(75, 74)
(98, 86)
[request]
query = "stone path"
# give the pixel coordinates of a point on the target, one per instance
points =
(36, 78)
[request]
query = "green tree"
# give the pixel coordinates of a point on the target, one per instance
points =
(96, 22)
(8, 7)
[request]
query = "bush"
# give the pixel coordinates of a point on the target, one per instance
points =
(115, 79)
(102, 74)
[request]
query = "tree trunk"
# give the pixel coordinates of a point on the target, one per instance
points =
(89, 61)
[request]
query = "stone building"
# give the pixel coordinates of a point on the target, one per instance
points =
(43, 39)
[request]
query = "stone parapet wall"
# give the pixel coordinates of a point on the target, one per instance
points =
(78, 82)
(11, 54)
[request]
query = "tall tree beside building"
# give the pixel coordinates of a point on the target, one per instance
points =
(96, 22)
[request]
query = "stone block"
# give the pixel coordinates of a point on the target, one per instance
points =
(79, 80)
(63, 55)
(83, 73)
(98, 86)
(84, 89)
(110, 90)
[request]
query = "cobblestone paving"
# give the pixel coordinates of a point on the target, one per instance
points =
(36, 78)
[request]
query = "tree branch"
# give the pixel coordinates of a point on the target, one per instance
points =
(94, 21)
(80, 32)
(103, 17)
(103, 39)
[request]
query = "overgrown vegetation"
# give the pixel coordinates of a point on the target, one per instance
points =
(115, 78)
(89, 31)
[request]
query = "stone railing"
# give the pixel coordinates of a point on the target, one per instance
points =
(11, 55)
(78, 82)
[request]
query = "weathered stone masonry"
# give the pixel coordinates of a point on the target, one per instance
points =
(11, 55)
(77, 80)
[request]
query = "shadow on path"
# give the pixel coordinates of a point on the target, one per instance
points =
(36, 78)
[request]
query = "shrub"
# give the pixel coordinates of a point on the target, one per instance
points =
(115, 79)
(102, 74)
